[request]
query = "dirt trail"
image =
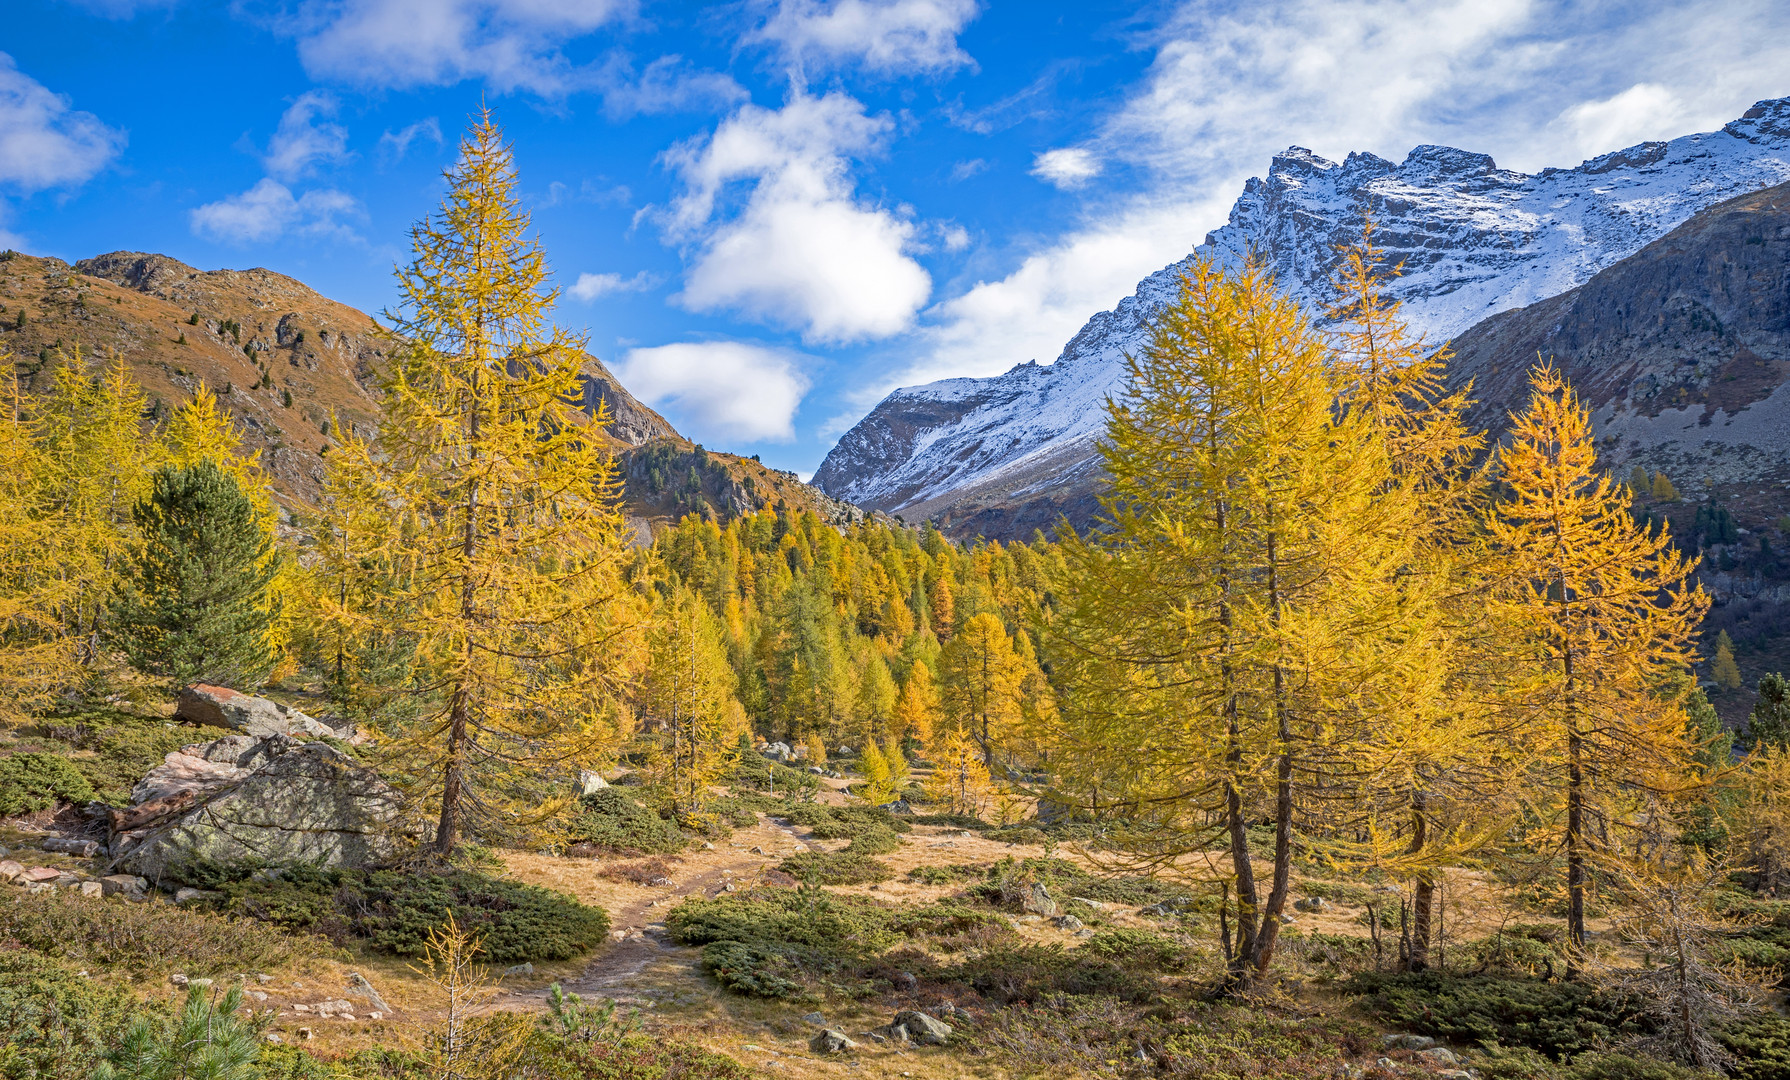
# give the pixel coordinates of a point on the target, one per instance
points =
(618, 970)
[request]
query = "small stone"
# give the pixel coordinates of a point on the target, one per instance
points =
(66, 880)
(85, 849)
(831, 1041)
(661, 880)
(257, 995)
(905, 982)
(1038, 900)
(756, 850)
(274, 1037)
(129, 886)
(376, 1016)
(9, 870)
(923, 1029)
(815, 1018)
(1455, 1074)
(93, 889)
(300, 1007)
(519, 969)
(1440, 1056)
(1311, 904)
(1408, 1042)
(1067, 922)
(348, 1017)
(1386, 1063)
(42, 874)
(304, 1033)
(264, 979)
(177, 979)
(198, 982)
(190, 895)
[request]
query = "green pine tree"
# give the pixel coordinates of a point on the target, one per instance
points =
(194, 605)
(210, 1037)
(1769, 722)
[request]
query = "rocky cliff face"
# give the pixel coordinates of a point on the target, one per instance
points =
(1003, 455)
(1681, 350)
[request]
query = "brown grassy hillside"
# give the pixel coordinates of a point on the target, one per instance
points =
(284, 360)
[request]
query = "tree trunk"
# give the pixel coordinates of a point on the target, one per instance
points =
(1263, 953)
(1423, 891)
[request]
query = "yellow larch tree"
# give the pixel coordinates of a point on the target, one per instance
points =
(916, 710)
(981, 683)
(480, 539)
(1233, 641)
(686, 699)
(1602, 617)
(1397, 382)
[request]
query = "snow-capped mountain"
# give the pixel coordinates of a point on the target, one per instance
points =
(1003, 455)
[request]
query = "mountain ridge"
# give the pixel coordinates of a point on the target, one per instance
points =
(288, 363)
(1000, 456)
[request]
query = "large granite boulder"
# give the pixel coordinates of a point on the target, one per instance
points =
(275, 800)
(220, 706)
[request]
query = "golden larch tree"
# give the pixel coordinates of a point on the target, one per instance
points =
(1602, 617)
(480, 537)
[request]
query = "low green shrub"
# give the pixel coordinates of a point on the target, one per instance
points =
(1559, 1019)
(54, 1024)
(785, 942)
(1612, 1066)
(1029, 835)
(1065, 879)
(951, 821)
(147, 937)
(842, 822)
(1525, 949)
(944, 875)
(877, 841)
(1140, 948)
(1029, 973)
(612, 821)
(737, 812)
(1760, 1044)
(114, 749)
(835, 868)
(35, 781)
(631, 1057)
(394, 911)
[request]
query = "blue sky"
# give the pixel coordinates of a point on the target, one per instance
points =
(768, 213)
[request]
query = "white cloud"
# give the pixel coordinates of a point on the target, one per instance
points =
(394, 145)
(670, 84)
(511, 44)
(724, 389)
(1069, 167)
(43, 142)
(305, 137)
(270, 210)
(1228, 88)
(589, 287)
(886, 36)
(804, 250)
(1644, 111)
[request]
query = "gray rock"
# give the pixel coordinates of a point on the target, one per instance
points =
(589, 783)
(831, 1041)
(10, 870)
(306, 803)
(1038, 902)
(1440, 1056)
(1067, 922)
(520, 969)
(817, 770)
(1408, 1042)
(220, 706)
(905, 981)
(85, 849)
(129, 886)
(359, 987)
(92, 888)
(1311, 904)
(189, 896)
(921, 1028)
(815, 1018)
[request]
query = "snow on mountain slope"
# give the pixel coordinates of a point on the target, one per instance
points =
(1004, 454)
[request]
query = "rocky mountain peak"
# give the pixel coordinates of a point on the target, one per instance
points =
(1004, 454)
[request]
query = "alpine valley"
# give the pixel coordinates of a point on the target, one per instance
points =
(1657, 276)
